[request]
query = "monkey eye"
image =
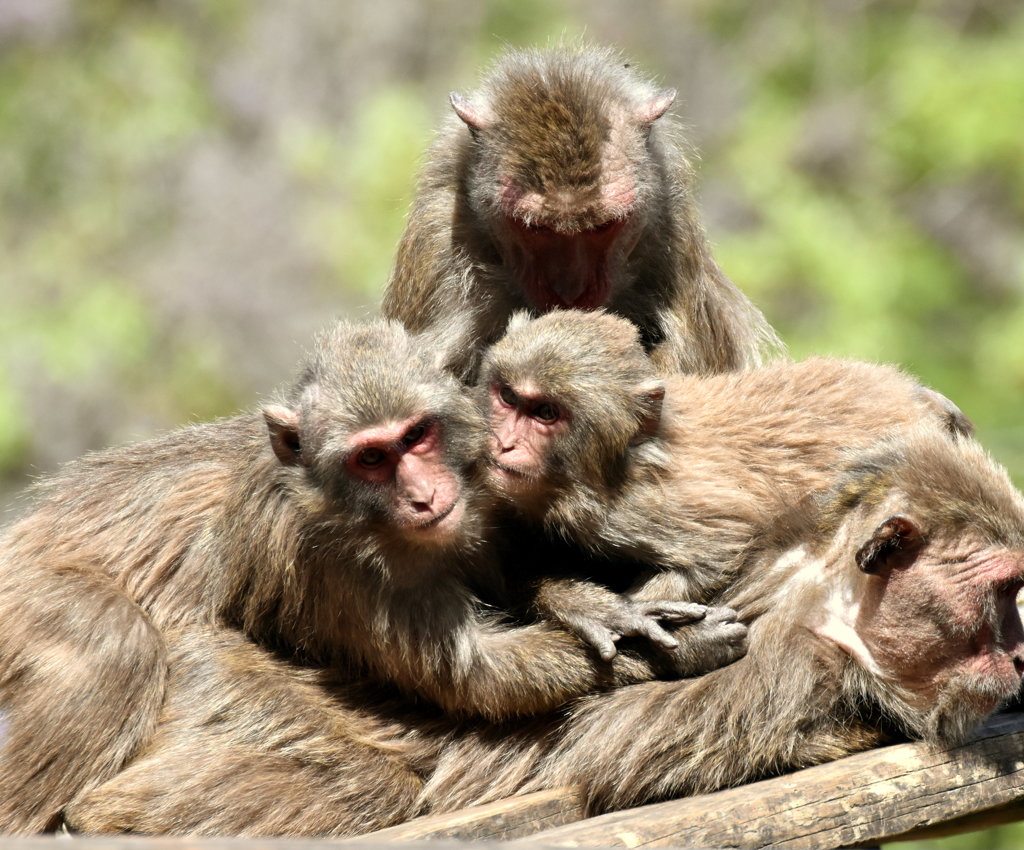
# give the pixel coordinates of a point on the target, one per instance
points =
(371, 458)
(414, 434)
(545, 412)
(507, 395)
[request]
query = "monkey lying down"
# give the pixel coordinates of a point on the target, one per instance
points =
(677, 473)
(344, 529)
(883, 604)
(214, 633)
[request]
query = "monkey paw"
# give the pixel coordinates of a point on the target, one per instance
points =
(716, 640)
(635, 618)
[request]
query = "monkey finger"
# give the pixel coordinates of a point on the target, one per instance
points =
(652, 630)
(721, 614)
(598, 636)
(673, 612)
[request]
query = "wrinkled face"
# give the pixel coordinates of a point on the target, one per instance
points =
(526, 426)
(563, 180)
(946, 626)
(402, 465)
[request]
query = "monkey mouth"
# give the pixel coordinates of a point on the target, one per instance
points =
(565, 270)
(516, 472)
(439, 518)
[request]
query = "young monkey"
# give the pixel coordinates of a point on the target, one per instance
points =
(342, 529)
(678, 472)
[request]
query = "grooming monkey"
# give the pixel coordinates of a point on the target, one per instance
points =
(558, 184)
(343, 528)
(881, 606)
(676, 472)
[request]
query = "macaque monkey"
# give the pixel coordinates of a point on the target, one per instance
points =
(559, 183)
(342, 528)
(881, 606)
(249, 743)
(677, 472)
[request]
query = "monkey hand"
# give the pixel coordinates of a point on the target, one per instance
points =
(600, 617)
(603, 627)
(716, 640)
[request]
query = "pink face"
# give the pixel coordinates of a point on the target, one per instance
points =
(407, 458)
(559, 261)
(525, 425)
(949, 623)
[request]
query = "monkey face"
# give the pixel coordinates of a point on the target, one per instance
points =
(940, 618)
(403, 465)
(526, 425)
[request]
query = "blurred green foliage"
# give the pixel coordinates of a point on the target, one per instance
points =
(850, 138)
(843, 257)
(872, 167)
(871, 163)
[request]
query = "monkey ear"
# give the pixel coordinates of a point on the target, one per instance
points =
(519, 319)
(650, 396)
(651, 111)
(475, 117)
(283, 425)
(897, 536)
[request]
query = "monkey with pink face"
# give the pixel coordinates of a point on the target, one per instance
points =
(677, 472)
(216, 608)
(880, 606)
(560, 182)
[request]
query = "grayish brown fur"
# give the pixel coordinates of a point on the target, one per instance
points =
(208, 529)
(679, 472)
(551, 117)
(800, 697)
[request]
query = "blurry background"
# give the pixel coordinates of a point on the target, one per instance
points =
(189, 188)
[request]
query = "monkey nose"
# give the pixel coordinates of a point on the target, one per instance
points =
(421, 498)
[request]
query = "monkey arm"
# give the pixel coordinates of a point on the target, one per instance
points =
(695, 639)
(600, 617)
(779, 708)
(499, 670)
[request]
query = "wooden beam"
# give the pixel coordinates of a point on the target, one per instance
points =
(513, 817)
(879, 795)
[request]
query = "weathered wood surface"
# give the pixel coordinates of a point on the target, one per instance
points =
(889, 794)
(892, 792)
(511, 818)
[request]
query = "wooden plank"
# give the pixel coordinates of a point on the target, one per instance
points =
(999, 816)
(896, 793)
(862, 799)
(506, 819)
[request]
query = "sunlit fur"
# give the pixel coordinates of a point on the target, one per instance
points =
(682, 483)
(562, 123)
(797, 698)
(225, 617)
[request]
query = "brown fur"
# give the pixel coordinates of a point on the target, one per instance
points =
(271, 536)
(679, 472)
(82, 675)
(249, 744)
(560, 143)
(922, 639)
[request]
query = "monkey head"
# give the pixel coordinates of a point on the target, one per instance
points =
(382, 437)
(568, 394)
(927, 558)
(561, 170)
